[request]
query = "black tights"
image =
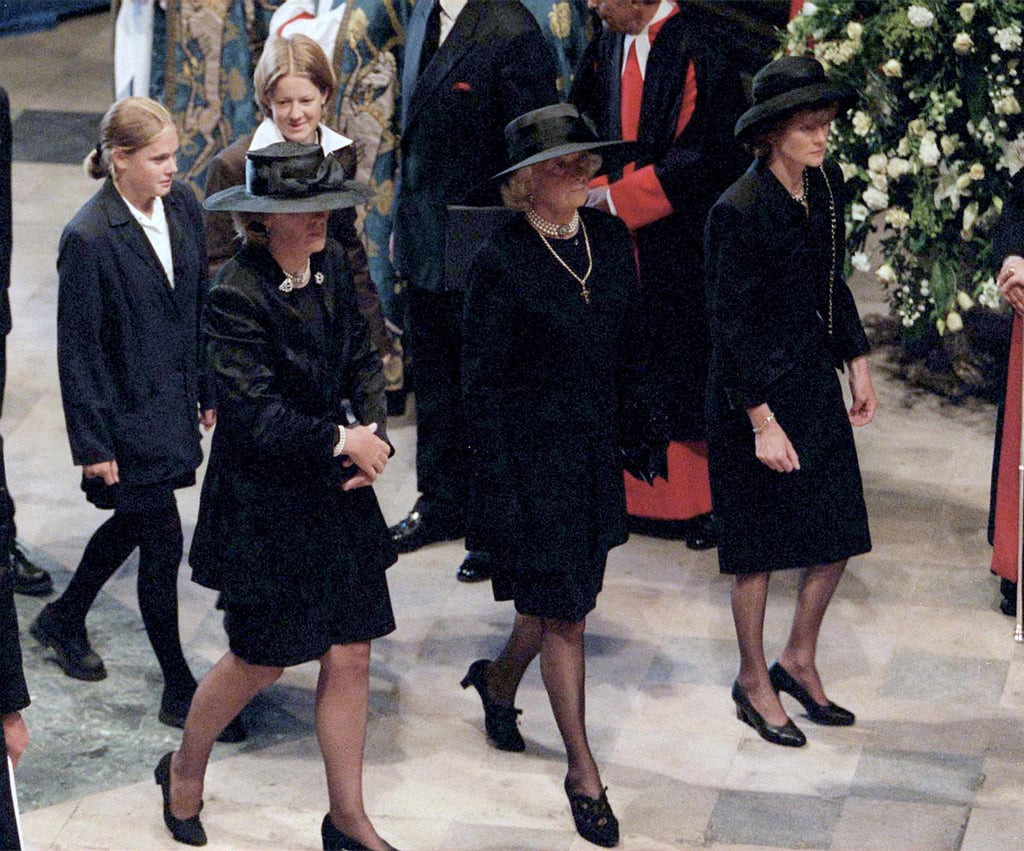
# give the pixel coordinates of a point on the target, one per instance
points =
(156, 531)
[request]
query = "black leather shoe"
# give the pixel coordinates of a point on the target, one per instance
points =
(700, 532)
(829, 714)
(187, 830)
(335, 840)
(417, 530)
(788, 735)
(594, 818)
(499, 720)
(475, 567)
(173, 711)
(26, 577)
(70, 645)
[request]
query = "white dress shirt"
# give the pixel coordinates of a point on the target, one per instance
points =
(158, 233)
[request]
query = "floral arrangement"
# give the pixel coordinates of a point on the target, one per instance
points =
(935, 138)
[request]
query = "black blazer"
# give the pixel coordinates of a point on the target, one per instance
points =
(127, 344)
(494, 65)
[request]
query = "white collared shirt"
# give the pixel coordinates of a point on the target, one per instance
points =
(450, 10)
(269, 133)
(643, 39)
(158, 233)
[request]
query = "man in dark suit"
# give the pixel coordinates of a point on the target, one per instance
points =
(658, 75)
(26, 578)
(13, 692)
(470, 67)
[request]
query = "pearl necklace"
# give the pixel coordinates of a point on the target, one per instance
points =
(543, 226)
(292, 281)
(582, 281)
(802, 197)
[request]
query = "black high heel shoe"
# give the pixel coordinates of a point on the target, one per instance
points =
(788, 735)
(499, 721)
(335, 840)
(594, 818)
(187, 830)
(828, 714)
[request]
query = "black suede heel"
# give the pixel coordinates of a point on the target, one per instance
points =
(594, 818)
(499, 721)
(187, 830)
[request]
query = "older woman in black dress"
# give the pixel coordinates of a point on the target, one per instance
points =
(551, 375)
(784, 474)
(289, 530)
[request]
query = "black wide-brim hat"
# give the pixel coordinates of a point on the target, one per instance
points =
(555, 131)
(290, 177)
(787, 85)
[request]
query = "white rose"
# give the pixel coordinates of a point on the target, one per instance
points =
(1009, 38)
(808, 10)
(879, 180)
(875, 199)
(858, 212)
(966, 11)
(963, 181)
(897, 217)
(862, 123)
(893, 68)
(920, 17)
(963, 43)
(854, 30)
(848, 169)
(929, 152)
(860, 262)
(885, 274)
(949, 144)
(954, 324)
(877, 162)
(977, 171)
(964, 300)
(898, 167)
(917, 127)
(1007, 105)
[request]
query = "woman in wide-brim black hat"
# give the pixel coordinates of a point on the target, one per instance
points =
(289, 529)
(552, 380)
(785, 479)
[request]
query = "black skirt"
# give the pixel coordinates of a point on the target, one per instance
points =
(566, 595)
(816, 515)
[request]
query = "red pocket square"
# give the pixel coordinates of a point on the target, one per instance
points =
(462, 87)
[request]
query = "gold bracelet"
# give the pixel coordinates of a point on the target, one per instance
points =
(759, 428)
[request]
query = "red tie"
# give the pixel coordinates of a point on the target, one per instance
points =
(632, 92)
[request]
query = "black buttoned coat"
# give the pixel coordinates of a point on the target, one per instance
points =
(127, 344)
(273, 519)
(768, 305)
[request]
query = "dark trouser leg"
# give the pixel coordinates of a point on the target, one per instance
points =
(9, 838)
(436, 340)
(160, 549)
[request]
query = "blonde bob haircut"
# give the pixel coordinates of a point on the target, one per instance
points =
(517, 192)
(129, 125)
(296, 56)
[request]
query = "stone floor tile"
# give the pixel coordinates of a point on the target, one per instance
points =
(871, 825)
(774, 820)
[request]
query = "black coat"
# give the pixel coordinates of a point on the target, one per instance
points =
(494, 65)
(127, 344)
(768, 303)
(549, 383)
(273, 520)
(693, 169)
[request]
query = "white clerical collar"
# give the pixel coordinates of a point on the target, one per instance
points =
(268, 133)
(643, 39)
(450, 10)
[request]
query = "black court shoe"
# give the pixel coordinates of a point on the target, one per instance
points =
(335, 840)
(788, 735)
(187, 830)
(499, 721)
(594, 818)
(828, 714)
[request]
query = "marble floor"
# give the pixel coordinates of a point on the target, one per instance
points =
(914, 643)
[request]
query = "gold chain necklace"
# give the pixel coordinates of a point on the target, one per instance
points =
(832, 250)
(582, 281)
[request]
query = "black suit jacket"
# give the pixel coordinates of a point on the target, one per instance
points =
(127, 344)
(494, 65)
